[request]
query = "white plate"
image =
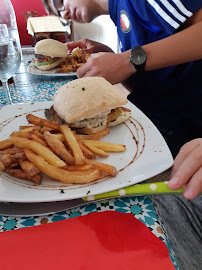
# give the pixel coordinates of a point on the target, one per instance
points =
(34, 70)
(146, 155)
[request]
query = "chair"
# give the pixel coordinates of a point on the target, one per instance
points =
(28, 14)
(68, 36)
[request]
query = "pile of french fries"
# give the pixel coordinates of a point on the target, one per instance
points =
(74, 61)
(57, 151)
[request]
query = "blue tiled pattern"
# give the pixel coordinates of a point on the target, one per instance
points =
(29, 87)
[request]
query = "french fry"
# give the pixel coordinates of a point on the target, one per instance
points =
(5, 144)
(7, 160)
(70, 177)
(111, 170)
(74, 61)
(64, 70)
(41, 129)
(21, 134)
(37, 133)
(2, 167)
(105, 146)
(87, 153)
(39, 149)
(37, 178)
(95, 136)
(73, 144)
(19, 173)
(28, 167)
(78, 65)
(59, 136)
(59, 148)
(85, 167)
(40, 121)
(24, 127)
(12, 151)
(95, 150)
(37, 139)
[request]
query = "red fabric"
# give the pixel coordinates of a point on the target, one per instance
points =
(98, 241)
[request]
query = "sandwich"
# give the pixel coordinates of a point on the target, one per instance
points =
(89, 105)
(49, 53)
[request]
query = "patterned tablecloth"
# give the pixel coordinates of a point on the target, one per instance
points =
(32, 88)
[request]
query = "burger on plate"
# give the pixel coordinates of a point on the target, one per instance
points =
(89, 105)
(49, 53)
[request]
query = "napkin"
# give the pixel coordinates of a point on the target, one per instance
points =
(102, 241)
(45, 24)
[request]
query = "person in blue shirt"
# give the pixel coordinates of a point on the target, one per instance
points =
(169, 92)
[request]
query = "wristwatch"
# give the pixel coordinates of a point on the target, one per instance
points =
(138, 58)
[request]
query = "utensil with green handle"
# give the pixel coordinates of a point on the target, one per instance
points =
(45, 208)
(157, 188)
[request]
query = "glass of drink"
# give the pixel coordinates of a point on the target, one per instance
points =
(10, 58)
(4, 31)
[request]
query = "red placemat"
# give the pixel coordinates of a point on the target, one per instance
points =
(98, 241)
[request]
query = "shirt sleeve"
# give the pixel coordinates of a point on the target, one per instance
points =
(168, 15)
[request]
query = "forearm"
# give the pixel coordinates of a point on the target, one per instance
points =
(179, 48)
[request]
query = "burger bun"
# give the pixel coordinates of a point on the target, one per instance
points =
(51, 47)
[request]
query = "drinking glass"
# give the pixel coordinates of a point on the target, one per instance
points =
(4, 32)
(10, 58)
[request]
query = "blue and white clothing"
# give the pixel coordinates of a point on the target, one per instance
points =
(170, 97)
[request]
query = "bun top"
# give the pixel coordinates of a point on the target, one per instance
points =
(51, 47)
(86, 98)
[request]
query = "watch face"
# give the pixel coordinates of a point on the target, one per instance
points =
(138, 56)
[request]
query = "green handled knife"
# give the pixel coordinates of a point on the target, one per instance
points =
(158, 188)
(45, 208)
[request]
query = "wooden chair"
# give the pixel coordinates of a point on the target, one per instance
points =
(68, 36)
(28, 14)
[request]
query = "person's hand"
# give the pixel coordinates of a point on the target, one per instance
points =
(115, 68)
(88, 46)
(187, 169)
(82, 11)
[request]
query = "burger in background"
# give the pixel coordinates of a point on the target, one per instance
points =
(49, 53)
(89, 105)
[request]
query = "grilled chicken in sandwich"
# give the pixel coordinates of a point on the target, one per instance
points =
(89, 105)
(49, 53)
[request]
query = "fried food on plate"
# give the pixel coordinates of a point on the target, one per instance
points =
(74, 61)
(41, 122)
(105, 146)
(73, 144)
(5, 144)
(59, 148)
(39, 149)
(70, 177)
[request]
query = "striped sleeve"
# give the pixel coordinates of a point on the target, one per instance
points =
(167, 15)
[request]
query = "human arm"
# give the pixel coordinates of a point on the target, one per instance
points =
(182, 47)
(88, 46)
(187, 169)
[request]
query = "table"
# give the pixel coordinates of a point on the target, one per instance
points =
(32, 88)
(47, 25)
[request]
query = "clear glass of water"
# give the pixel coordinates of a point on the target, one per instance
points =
(10, 58)
(4, 31)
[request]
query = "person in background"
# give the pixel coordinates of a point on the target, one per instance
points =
(160, 42)
(167, 88)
